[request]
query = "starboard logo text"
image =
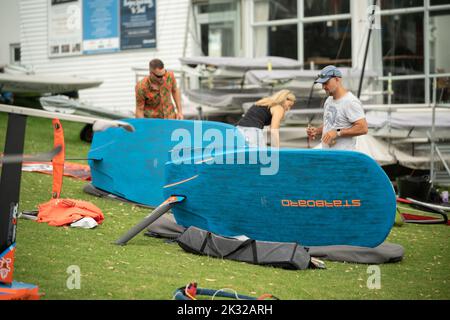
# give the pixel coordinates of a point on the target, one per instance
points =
(321, 203)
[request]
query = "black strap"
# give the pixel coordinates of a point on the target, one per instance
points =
(205, 241)
(255, 252)
(293, 253)
(242, 245)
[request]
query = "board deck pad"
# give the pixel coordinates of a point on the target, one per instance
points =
(317, 198)
(131, 164)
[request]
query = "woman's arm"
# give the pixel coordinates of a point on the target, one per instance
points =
(277, 116)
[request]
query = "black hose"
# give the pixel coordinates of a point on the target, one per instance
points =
(367, 49)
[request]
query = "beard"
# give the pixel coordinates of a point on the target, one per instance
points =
(330, 92)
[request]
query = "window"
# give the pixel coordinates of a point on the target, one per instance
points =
(267, 10)
(439, 2)
(398, 4)
(326, 7)
(402, 44)
(439, 42)
(217, 39)
(278, 41)
(327, 43)
(216, 7)
(443, 89)
(218, 27)
(407, 91)
(439, 57)
(325, 37)
(14, 53)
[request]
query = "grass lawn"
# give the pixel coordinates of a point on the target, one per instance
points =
(150, 268)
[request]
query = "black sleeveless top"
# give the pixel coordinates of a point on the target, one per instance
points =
(256, 117)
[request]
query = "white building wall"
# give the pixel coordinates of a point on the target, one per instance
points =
(115, 69)
(9, 28)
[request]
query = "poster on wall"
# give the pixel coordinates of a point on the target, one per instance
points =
(64, 33)
(137, 24)
(100, 26)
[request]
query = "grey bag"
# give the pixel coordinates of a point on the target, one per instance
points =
(277, 254)
(384, 253)
(93, 191)
(166, 227)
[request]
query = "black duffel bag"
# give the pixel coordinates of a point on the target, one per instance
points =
(414, 187)
(287, 255)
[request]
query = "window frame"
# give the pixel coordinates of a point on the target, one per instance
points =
(12, 48)
(220, 17)
(301, 20)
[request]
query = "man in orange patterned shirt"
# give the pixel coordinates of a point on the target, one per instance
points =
(154, 94)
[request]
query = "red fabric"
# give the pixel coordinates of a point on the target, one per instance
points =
(409, 216)
(19, 293)
(401, 200)
(61, 212)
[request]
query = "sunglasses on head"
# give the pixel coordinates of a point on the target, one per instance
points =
(323, 76)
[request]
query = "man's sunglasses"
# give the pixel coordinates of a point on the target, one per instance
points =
(157, 75)
(323, 76)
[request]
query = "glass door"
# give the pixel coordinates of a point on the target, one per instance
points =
(218, 24)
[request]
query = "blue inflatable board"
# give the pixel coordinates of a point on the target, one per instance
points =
(131, 164)
(312, 197)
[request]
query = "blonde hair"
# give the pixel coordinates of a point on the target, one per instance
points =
(276, 99)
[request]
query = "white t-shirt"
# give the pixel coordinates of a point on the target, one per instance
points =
(340, 114)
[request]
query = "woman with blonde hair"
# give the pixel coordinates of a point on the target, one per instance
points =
(266, 111)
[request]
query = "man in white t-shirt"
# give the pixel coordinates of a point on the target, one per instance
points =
(343, 118)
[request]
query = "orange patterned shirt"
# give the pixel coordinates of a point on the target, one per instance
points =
(154, 95)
